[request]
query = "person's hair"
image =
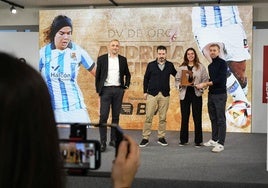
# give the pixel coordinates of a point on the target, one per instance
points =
(114, 40)
(59, 22)
(161, 48)
(215, 45)
(30, 156)
(22, 60)
(186, 61)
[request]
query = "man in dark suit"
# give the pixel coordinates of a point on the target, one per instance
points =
(112, 78)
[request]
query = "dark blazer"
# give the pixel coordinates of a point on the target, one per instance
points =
(156, 81)
(102, 72)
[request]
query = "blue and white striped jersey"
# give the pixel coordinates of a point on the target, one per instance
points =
(60, 69)
(215, 16)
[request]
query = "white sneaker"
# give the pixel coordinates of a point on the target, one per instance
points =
(210, 143)
(218, 148)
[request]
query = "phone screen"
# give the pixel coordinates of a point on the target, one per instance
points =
(80, 154)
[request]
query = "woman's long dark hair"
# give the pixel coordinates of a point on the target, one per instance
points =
(28, 134)
(186, 61)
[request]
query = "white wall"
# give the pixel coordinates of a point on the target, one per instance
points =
(23, 17)
(259, 110)
(260, 13)
(21, 44)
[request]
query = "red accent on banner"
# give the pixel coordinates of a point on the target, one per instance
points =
(265, 75)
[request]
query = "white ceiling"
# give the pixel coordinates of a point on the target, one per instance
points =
(42, 4)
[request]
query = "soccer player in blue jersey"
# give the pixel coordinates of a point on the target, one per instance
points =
(223, 25)
(59, 64)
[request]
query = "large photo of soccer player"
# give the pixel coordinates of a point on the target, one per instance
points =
(140, 31)
(223, 25)
(60, 60)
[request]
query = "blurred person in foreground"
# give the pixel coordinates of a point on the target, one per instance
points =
(29, 137)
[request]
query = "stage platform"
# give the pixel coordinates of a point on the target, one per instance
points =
(241, 165)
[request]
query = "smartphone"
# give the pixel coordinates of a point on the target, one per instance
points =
(119, 137)
(80, 154)
(119, 134)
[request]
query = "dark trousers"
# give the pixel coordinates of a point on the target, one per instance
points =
(216, 110)
(196, 102)
(111, 97)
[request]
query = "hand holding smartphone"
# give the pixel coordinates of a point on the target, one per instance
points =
(119, 134)
(119, 137)
(126, 163)
(78, 153)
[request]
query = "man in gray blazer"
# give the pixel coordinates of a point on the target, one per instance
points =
(112, 78)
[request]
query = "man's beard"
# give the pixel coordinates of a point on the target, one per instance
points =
(161, 59)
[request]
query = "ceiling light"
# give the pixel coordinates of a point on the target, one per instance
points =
(13, 10)
(13, 6)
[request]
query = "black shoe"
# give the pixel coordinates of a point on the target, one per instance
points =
(183, 143)
(198, 145)
(112, 143)
(144, 143)
(103, 146)
(162, 141)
